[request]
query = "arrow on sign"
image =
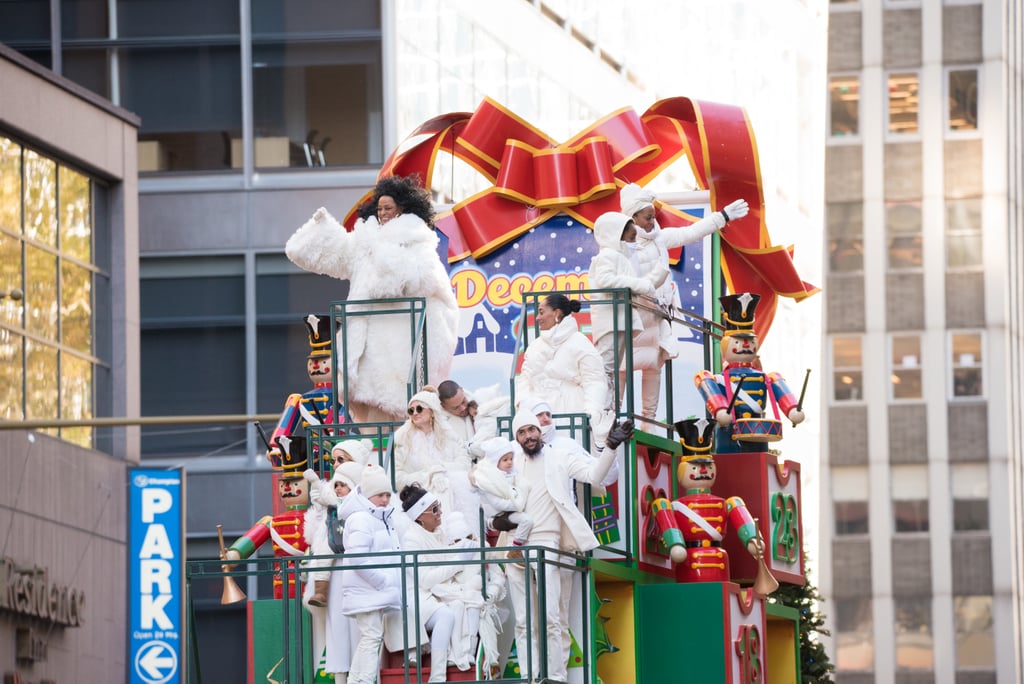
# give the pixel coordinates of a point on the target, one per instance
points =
(156, 662)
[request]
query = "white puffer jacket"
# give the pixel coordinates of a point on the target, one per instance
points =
(563, 368)
(370, 530)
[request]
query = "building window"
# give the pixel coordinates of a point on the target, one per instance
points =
(905, 379)
(846, 237)
(847, 369)
(969, 483)
(47, 340)
(909, 498)
(317, 99)
(975, 644)
(284, 294)
(844, 106)
(966, 364)
(903, 102)
(963, 234)
(914, 633)
(962, 96)
(903, 235)
(854, 641)
(850, 497)
(193, 316)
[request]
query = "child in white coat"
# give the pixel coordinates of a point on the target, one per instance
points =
(495, 477)
(369, 591)
(323, 496)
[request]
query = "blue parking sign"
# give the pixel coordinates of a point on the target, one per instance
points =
(155, 575)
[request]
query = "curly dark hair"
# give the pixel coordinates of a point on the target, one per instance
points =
(408, 193)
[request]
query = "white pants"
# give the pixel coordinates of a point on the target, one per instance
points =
(558, 588)
(440, 625)
(366, 660)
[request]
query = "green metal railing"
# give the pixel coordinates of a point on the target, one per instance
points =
(296, 664)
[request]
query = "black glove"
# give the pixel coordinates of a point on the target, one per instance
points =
(620, 432)
(501, 523)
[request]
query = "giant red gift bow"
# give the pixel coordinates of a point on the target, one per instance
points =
(534, 177)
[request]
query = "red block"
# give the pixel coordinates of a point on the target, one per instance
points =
(772, 493)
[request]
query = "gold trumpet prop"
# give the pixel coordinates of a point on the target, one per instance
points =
(231, 593)
(764, 582)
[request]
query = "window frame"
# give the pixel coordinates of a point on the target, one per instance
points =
(833, 400)
(961, 232)
(949, 133)
(852, 138)
(899, 136)
(952, 366)
(892, 368)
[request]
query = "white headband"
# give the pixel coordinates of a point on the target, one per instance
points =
(425, 502)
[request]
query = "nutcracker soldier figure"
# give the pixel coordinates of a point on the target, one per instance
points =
(692, 527)
(316, 406)
(739, 398)
(284, 529)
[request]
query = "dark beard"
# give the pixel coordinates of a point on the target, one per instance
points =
(533, 452)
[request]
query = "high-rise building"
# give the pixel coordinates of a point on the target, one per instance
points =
(922, 544)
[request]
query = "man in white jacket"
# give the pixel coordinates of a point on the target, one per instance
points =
(558, 525)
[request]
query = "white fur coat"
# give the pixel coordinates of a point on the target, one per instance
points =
(382, 262)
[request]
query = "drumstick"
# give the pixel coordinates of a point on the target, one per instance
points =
(803, 391)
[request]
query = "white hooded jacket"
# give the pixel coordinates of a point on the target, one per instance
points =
(611, 267)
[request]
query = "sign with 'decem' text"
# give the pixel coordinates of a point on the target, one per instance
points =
(156, 500)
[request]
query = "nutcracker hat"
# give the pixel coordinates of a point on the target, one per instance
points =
(293, 456)
(318, 328)
(695, 436)
(738, 313)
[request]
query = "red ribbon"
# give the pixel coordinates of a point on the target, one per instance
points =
(533, 177)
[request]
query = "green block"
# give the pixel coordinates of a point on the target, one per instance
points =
(680, 633)
(266, 634)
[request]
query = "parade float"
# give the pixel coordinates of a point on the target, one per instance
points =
(704, 521)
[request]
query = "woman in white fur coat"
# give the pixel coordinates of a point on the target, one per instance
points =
(657, 343)
(391, 253)
(428, 452)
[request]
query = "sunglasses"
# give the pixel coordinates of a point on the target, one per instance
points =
(435, 509)
(419, 408)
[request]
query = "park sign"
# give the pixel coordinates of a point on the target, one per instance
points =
(156, 534)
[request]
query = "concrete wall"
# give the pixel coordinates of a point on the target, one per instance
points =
(63, 508)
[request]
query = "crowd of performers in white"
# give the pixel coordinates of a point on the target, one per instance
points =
(449, 462)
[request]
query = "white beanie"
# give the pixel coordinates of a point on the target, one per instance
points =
(535, 405)
(350, 473)
(522, 419)
(633, 198)
(496, 447)
(429, 398)
(374, 481)
(359, 450)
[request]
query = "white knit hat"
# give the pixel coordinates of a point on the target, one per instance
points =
(633, 198)
(350, 473)
(496, 447)
(535, 405)
(428, 397)
(374, 481)
(358, 449)
(522, 419)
